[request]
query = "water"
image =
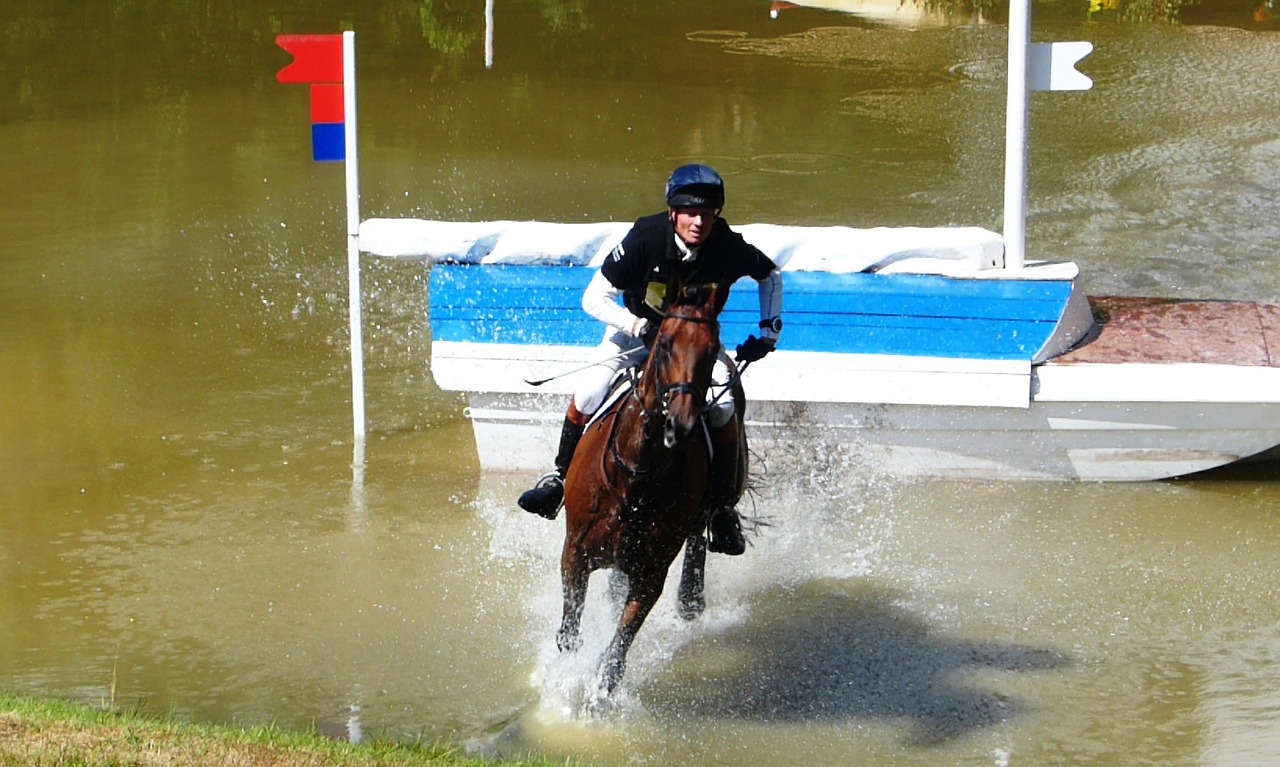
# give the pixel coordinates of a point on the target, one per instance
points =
(179, 530)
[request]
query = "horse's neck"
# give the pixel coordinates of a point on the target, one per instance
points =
(636, 448)
(638, 432)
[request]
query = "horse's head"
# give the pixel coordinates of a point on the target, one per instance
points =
(681, 360)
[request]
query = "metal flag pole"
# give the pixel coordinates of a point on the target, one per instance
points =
(1015, 136)
(353, 242)
(1032, 67)
(328, 64)
(488, 34)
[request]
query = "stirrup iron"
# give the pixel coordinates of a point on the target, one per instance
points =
(545, 497)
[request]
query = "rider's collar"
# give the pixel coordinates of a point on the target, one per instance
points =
(687, 253)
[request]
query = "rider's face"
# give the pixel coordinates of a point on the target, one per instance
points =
(693, 225)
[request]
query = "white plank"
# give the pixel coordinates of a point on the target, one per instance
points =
(1156, 382)
(783, 375)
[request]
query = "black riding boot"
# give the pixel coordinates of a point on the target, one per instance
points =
(544, 498)
(725, 528)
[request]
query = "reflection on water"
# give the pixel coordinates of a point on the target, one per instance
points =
(178, 527)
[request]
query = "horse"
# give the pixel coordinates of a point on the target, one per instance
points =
(635, 489)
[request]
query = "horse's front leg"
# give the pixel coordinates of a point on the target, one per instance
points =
(574, 575)
(643, 596)
(617, 588)
(693, 577)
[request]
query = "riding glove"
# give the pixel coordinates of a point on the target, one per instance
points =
(753, 349)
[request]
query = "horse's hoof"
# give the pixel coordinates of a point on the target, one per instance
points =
(611, 671)
(600, 703)
(566, 643)
(690, 609)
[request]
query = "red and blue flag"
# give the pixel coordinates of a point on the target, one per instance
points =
(317, 60)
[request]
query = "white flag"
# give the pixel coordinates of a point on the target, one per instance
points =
(1053, 67)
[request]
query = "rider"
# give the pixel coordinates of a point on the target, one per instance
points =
(691, 240)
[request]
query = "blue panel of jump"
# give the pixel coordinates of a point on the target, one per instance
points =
(906, 314)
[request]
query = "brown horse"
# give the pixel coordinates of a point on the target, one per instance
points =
(635, 489)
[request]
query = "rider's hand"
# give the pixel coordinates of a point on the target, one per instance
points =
(754, 348)
(639, 327)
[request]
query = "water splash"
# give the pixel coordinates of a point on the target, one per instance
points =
(827, 522)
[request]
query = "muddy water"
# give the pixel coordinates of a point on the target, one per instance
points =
(179, 526)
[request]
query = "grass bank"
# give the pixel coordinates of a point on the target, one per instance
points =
(57, 734)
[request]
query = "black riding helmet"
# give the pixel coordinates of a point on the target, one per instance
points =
(695, 186)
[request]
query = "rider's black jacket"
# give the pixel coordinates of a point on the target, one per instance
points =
(642, 265)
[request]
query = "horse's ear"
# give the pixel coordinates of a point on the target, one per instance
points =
(675, 289)
(702, 296)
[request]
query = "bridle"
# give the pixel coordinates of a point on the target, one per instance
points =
(669, 391)
(666, 393)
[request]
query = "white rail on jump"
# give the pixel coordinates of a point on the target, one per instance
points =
(835, 249)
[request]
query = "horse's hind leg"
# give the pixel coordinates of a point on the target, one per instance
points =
(693, 577)
(574, 575)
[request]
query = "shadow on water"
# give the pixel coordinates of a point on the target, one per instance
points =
(1264, 468)
(830, 651)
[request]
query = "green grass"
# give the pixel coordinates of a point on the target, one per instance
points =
(58, 734)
